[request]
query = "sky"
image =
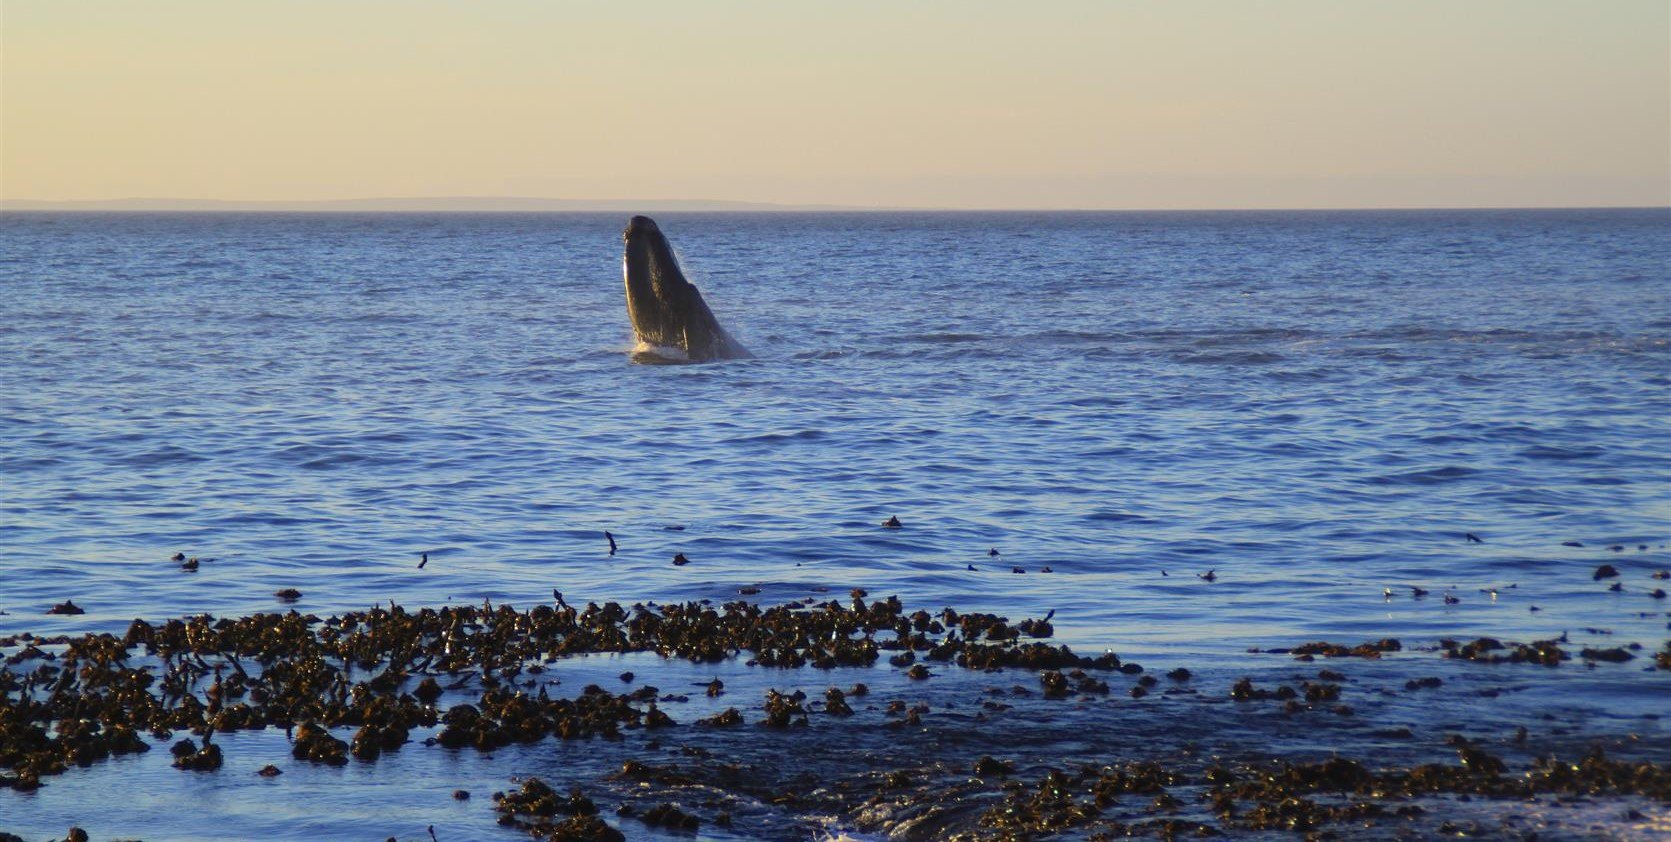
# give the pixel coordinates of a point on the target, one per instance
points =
(968, 104)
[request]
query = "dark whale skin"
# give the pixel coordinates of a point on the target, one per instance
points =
(666, 310)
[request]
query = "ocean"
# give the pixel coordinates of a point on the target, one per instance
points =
(1083, 413)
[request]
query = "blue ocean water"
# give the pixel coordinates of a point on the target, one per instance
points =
(1316, 406)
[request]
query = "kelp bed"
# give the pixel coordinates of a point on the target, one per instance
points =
(978, 728)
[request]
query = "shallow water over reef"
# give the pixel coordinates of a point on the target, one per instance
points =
(1314, 406)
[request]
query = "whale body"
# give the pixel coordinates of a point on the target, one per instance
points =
(669, 318)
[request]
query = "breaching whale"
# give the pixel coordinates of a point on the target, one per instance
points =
(669, 317)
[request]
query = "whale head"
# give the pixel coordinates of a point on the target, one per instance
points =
(669, 317)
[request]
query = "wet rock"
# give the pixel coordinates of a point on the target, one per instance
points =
(366, 744)
(655, 718)
(535, 806)
(722, 720)
(1486, 649)
(1479, 762)
(1038, 628)
(670, 816)
(1372, 649)
(316, 745)
(1615, 655)
(1244, 691)
(783, 711)
(897, 780)
(579, 829)
(835, 703)
(1055, 684)
(1321, 692)
(536, 798)
(428, 690)
(206, 759)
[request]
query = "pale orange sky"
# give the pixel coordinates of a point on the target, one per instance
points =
(948, 104)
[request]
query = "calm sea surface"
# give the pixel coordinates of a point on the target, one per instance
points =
(1316, 406)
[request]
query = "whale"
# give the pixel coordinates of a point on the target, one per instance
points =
(669, 318)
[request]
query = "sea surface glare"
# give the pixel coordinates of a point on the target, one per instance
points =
(1317, 406)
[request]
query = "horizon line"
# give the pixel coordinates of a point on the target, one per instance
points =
(514, 204)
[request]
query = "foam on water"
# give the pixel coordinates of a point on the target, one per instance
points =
(651, 352)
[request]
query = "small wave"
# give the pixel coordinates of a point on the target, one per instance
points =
(1096, 401)
(391, 436)
(1542, 451)
(773, 438)
(1218, 338)
(200, 263)
(1431, 476)
(1070, 337)
(1231, 358)
(27, 464)
(262, 519)
(340, 460)
(168, 454)
(1437, 439)
(324, 457)
(1116, 517)
(947, 338)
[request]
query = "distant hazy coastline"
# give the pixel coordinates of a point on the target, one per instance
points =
(513, 204)
(420, 204)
